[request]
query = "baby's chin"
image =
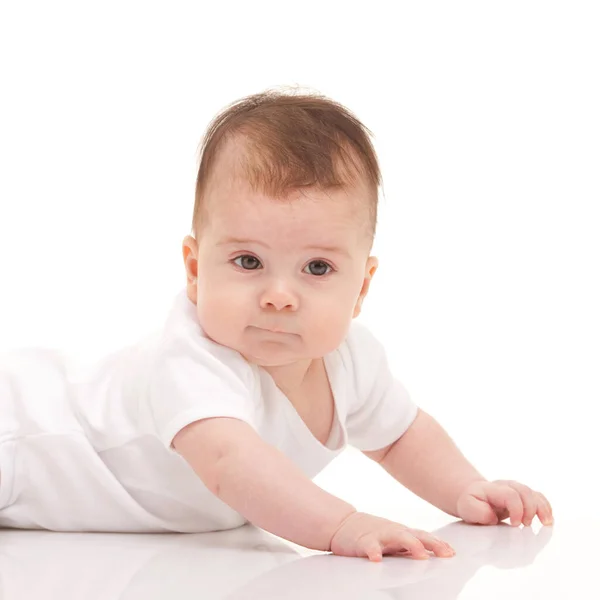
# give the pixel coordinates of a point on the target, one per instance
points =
(275, 356)
(267, 349)
(273, 359)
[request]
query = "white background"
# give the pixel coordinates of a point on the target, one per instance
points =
(486, 122)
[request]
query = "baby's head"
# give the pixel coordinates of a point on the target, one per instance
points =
(284, 219)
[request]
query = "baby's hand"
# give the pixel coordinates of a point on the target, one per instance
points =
(362, 534)
(488, 503)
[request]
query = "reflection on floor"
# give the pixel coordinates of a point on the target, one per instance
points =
(250, 563)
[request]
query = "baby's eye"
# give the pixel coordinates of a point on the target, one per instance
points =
(320, 265)
(250, 263)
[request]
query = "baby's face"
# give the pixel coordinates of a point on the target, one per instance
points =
(267, 286)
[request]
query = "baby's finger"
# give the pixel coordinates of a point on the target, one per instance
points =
(437, 546)
(504, 496)
(529, 499)
(398, 541)
(544, 510)
(372, 549)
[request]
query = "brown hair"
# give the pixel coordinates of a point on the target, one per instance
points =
(291, 141)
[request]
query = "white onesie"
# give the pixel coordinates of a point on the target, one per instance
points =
(87, 447)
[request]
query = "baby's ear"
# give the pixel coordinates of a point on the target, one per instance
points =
(372, 265)
(190, 261)
(189, 249)
(370, 269)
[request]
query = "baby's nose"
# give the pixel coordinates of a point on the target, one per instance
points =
(280, 298)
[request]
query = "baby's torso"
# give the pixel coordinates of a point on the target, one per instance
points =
(76, 452)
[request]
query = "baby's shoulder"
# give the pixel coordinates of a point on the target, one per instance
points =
(198, 358)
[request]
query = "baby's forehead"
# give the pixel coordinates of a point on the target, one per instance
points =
(241, 206)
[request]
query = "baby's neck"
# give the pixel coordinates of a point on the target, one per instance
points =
(290, 378)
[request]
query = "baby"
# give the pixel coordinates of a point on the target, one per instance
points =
(259, 377)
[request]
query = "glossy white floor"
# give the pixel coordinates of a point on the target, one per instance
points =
(491, 562)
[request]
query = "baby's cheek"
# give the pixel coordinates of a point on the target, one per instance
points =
(329, 329)
(220, 312)
(215, 297)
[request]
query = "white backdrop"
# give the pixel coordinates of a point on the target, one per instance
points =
(486, 122)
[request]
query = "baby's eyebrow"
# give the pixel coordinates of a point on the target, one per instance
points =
(234, 240)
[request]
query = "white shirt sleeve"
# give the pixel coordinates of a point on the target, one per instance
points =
(380, 409)
(185, 387)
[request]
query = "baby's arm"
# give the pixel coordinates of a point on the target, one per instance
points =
(428, 462)
(260, 482)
